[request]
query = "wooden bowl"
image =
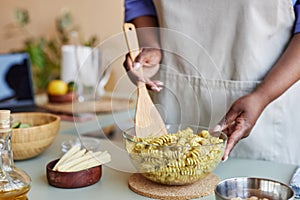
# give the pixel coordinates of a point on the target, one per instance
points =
(62, 98)
(77, 179)
(30, 142)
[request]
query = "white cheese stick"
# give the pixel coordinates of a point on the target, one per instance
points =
(75, 155)
(68, 154)
(76, 159)
(104, 158)
(89, 155)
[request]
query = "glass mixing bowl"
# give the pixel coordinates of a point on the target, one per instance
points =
(185, 155)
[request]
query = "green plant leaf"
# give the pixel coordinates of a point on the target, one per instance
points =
(21, 16)
(45, 54)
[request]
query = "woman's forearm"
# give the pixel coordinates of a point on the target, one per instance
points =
(147, 31)
(283, 75)
(145, 21)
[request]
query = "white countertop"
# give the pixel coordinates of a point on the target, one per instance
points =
(113, 184)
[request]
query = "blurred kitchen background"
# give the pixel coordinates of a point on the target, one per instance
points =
(41, 27)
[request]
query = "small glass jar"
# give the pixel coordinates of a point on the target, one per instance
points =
(14, 182)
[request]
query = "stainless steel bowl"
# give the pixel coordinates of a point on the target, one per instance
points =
(246, 187)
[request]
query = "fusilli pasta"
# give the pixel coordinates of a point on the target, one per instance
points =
(177, 158)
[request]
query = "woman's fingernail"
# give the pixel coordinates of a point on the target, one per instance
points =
(155, 88)
(159, 83)
(225, 159)
(136, 66)
(159, 88)
(217, 128)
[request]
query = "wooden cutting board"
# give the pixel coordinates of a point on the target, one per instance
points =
(103, 105)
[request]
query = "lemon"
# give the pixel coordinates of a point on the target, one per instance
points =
(57, 87)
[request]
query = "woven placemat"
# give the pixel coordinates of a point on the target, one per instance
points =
(103, 105)
(145, 187)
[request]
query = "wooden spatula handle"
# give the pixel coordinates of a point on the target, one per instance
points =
(131, 40)
(133, 46)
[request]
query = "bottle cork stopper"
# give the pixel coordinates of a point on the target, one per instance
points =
(4, 114)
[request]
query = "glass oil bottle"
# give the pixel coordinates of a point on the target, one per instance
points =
(14, 182)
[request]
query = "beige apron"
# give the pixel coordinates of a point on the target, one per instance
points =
(217, 51)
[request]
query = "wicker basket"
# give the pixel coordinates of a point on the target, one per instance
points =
(32, 141)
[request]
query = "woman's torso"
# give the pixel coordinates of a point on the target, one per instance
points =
(217, 51)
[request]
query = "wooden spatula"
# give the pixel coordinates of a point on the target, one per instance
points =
(148, 121)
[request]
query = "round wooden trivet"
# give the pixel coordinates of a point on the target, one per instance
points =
(145, 187)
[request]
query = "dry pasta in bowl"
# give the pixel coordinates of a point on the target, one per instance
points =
(185, 155)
